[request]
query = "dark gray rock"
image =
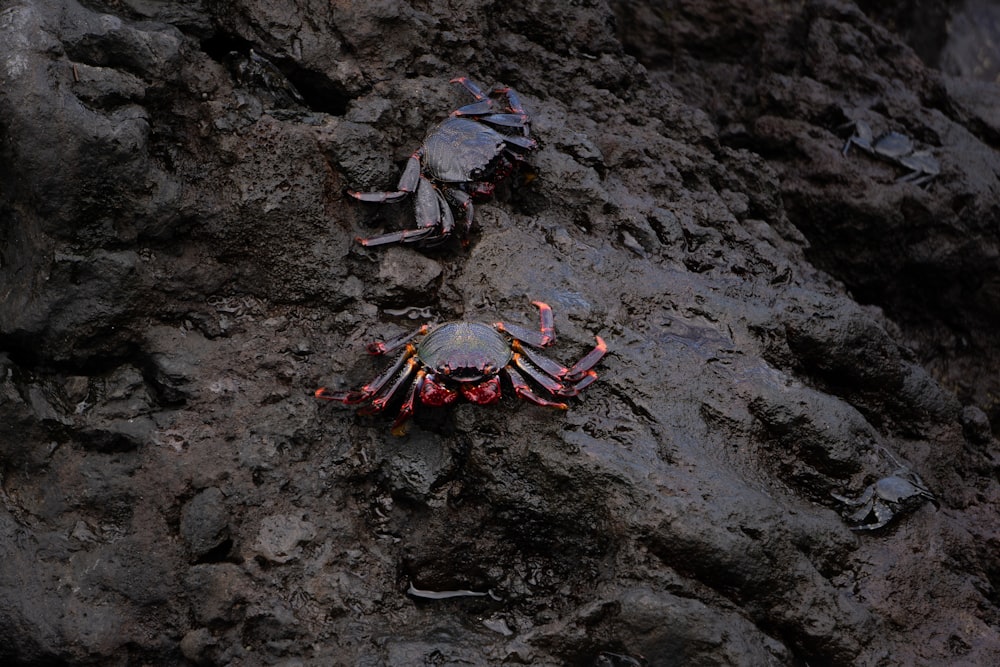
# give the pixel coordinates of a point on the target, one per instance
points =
(205, 523)
(218, 593)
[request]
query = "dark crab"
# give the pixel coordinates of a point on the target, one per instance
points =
(896, 148)
(461, 158)
(470, 360)
(883, 500)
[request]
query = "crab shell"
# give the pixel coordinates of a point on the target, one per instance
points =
(460, 150)
(468, 355)
(885, 499)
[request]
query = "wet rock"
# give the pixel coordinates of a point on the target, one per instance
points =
(218, 593)
(417, 465)
(196, 646)
(976, 425)
(131, 567)
(405, 278)
(175, 357)
(205, 525)
(120, 435)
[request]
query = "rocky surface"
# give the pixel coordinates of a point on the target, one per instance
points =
(785, 323)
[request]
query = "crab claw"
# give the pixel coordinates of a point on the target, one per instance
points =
(348, 397)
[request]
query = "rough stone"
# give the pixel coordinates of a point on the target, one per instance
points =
(205, 523)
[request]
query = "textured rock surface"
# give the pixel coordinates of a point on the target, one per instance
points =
(178, 274)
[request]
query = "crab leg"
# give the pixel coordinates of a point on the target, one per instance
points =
(427, 206)
(541, 338)
(579, 372)
(431, 211)
(505, 119)
(370, 389)
(551, 367)
(916, 177)
(407, 184)
(404, 236)
(480, 108)
(581, 367)
(393, 344)
(513, 101)
(475, 90)
(463, 201)
(445, 219)
(550, 383)
(408, 406)
(484, 106)
(864, 498)
(385, 395)
(572, 390)
(523, 142)
(522, 389)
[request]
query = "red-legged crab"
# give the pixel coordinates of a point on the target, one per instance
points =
(470, 360)
(883, 500)
(462, 157)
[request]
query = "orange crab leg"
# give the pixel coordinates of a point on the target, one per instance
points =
(407, 184)
(554, 369)
(581, 367)
(573, 390)
(522, 389)
(546, 334)
(408, 406)
(552, 385)
(385, 395)
(384, 347)
(370, 389)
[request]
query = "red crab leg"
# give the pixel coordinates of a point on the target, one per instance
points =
(581, 367)
(385, 395)
(464, 201)
(523, 142)
(481, 108)
(407, 184)
(431, 211)
(541, 338)
(346, 397)
(393, 344)
(408, 406)
(513, 101)
(522, 389)
(550, 383)
(505, 119)
(573, 390)
(370, 389)
(551, 367)
(404, 236)
(475, 90)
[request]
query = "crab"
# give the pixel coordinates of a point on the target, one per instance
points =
(463, 157)
(885, 499)
(472, 361)
(898, 149)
